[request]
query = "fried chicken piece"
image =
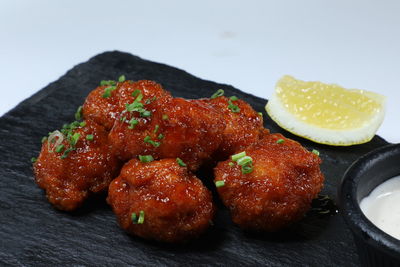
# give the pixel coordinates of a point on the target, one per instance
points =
(75, 163)
(285, 179)
(174, 127)
(160, 200)
(242, 125)
(104, 105)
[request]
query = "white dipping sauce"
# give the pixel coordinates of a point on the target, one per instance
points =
(382, 206)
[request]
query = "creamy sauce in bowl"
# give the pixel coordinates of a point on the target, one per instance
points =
(382, 206)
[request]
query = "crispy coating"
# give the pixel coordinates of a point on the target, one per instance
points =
(176, 205)
(241, 128)
(89, 168)
(105, 110)
(188, 129)
(285, 179)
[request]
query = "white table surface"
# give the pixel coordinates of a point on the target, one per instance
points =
(248, 44)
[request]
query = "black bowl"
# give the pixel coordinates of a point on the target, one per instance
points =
(375, 247)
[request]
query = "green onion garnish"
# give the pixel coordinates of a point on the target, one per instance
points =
(121, 78)
(233, 107)
(145, 113)
(180, 162)
(78, 113)
(89, 137)
(132, 123)
(260, 114)
(147, 139)
(156, 128)
(136, 92)
(244, 161)
(141, 217)
(44, 139)
(66, 152)
(247, 169)
(59, 148)
(218, 93)
(160, 136)
(134, 218)
(238, 156)
(165, 117)
(108, 90)
(123, 118)
(110, 82)
(33, 159)
(280, 141)
(316, 152)
(75, 138)
(233, 98)
(82, 124)
(231, 164)
(146, 158)
(219, 183)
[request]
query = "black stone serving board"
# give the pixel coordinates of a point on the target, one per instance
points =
(33, 233)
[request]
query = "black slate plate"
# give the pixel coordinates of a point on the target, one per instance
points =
(33, 233)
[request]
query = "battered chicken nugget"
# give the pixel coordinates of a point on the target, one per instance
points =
(161, 200)
(168, 128)
(272, 186)
(105, 103)
(242, 124)
(74, 162)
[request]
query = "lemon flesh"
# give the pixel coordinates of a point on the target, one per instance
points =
(326, 113)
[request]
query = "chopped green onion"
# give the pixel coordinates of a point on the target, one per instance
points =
(218, 93)
(135, 106)
(147, 139)
(180, 162)
(136, 92)
(59, 148)
(238, 156)
(231, 164)
(148, 101)
(108, 90)
(82, 124)
(316, 152)
(233, 98)
(165, 117)
(233, 107)
(123, 118)
(33, 159)
(132, 123)
(66, 152)
(244, 160)
(75, 138)
(121, 78)
(134, 218)
(78, 113)
(219, 183)
(139, 97)
(141, 217)
(110, 82)
(247, 169)
(146, 158)
(44, 139)
(156, 128)
(160, 136)
(145, 113)
(280, 141)
(89, 137)
(260, 114)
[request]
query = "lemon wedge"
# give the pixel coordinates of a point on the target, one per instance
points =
(326, 113)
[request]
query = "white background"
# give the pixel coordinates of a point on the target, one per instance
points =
(249, 44)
